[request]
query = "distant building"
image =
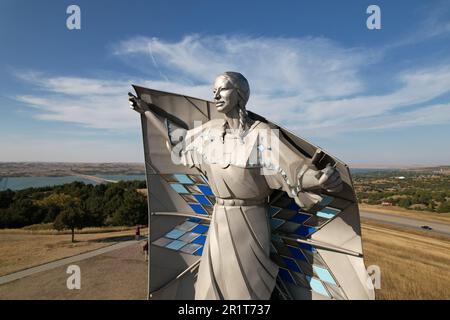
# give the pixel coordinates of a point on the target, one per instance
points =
(400, 178)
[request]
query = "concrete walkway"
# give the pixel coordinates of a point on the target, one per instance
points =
(58, 263)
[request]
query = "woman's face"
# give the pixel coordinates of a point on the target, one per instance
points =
(225, 95)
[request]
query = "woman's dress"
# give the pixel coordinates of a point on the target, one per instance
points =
(242, 173)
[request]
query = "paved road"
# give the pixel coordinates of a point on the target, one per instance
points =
(58, 263)
(99, 180)
(437, 227)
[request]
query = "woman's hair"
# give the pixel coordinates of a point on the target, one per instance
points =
(240, 83)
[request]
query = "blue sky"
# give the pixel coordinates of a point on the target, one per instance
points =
(370, 97)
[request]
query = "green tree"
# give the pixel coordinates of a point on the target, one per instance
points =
(71, 217)
(132, 209)
(112, 203)
(53, 204)
(444, 207)
(6, 198)
(95, 211)
(405, 202)
(20, 213)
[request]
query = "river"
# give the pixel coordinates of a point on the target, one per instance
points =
(18, 183)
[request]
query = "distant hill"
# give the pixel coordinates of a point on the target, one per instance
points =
(59, 169)
(438, 169)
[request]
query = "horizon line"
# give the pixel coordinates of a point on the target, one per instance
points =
(354, 166)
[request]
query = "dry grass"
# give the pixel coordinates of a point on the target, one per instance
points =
(48, 230)
(414, 264)
(23, 249)
(401, 212)
(119, 274)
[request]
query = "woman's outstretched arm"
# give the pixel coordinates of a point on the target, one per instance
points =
(171, 132)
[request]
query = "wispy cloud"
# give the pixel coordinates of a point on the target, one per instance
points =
(62, 148)
(430, 22)
(436, 22)
(93, 103)
(90, 102)
(368, 112)
(312, 67)
(311, 85)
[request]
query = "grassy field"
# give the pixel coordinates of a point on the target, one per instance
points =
(414, 264)
(21, 249)
(119, 274)
(47, 229)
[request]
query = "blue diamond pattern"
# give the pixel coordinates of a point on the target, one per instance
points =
(185, 241)
(195, 187)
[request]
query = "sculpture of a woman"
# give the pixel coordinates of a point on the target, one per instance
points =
(235, 263)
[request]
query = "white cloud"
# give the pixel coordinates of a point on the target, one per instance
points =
(23, 147)
(430, 115)
(310, 68)
(418, 87)
(311, 85)
(94, 103)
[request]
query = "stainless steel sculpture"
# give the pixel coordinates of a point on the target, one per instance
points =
(250, 205)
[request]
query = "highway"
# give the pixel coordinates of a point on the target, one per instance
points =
(413, 223)
(93, 178)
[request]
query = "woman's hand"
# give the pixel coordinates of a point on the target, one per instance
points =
(142, 107)
(328, 179)
(137, 104)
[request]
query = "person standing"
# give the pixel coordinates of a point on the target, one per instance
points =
(138, 232)
(145, 249)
